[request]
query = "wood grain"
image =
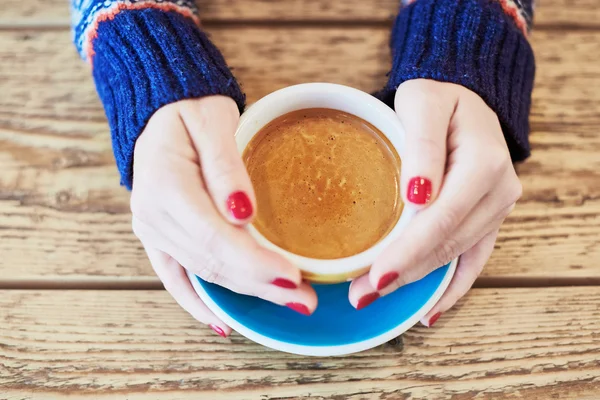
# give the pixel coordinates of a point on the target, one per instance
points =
(506, 343)
(64, 222)
(549, 13)
(63, 216)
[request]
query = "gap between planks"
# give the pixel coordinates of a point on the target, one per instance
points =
(496, 282)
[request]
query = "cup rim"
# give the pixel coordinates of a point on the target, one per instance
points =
(359, 261)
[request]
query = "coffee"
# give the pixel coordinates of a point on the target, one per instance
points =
(326, 183)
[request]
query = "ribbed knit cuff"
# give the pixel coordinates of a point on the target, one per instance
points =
(144, 59)
(472, 43)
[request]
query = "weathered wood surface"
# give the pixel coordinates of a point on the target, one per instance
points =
(549, 13)
(64, 222)
(506, 343)
(63, 216)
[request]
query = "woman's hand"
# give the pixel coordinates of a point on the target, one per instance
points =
(456, 168)
(191, 196)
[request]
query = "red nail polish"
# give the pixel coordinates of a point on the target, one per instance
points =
(386, 279)
(239, 205)
(434, 318)
(218, 330)
(299, 308)
(366, 300)
(284, 283)
(419, 190)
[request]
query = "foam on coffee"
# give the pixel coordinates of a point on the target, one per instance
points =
(326, 183)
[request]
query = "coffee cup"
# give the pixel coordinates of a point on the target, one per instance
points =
(347, 100)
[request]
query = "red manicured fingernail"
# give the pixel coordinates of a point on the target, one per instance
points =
(366, 300)
(218, 330)
(284, 283)
(239, 205)
(434, 318)
(386, 279)
(299, 308)
(419, 190)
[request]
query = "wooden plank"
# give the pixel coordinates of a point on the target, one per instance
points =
(580, 13)
(505, 343)
(64, 218)
(40, 69)
(56, 12)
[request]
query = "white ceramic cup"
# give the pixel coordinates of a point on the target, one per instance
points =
(349, 100)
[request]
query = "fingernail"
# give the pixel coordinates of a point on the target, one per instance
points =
(366, 300)
(218, 330)
(239, 205)
(386, 279)
(419, 190)
(434, 318)
(284, 283)
(299, 308)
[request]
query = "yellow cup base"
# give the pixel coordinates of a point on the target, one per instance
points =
(334, 278)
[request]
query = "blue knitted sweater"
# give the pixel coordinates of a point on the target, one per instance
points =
(149, 53)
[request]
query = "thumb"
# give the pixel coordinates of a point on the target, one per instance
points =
(425, 115)
(211, 123)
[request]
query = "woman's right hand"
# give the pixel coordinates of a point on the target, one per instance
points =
(191, 197)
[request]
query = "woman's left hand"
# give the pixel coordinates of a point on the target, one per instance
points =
(457, 169)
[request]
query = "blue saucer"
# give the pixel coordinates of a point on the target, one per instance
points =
(335, 327)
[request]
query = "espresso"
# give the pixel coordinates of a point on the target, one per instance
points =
(326, 183)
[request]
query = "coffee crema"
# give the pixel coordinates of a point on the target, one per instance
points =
(326, 183)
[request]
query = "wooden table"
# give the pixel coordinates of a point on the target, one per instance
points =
(83, 316)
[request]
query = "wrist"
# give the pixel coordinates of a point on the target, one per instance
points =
(485, 51)
(172, 128)
(147, 59)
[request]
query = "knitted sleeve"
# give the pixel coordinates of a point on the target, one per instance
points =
(479, 44)
(145, 54)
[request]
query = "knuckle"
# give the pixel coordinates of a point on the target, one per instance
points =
(208, 242)
(515, 191)
(447, 221)
(423, 95)
(507, 210)
(269, 293)
(136, 204)
(497, 161)
(435, 149)
(510, 197)
(422, 89)
(228, 107)
(211, 270)
(202, 116)
(445, 253)
(223, 166)
(140, 229)
(204, 110)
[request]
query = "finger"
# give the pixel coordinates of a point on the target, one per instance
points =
(211, 123)
(362, 293)
(464, 187)
(486, 216)
(224, 244)
(178, 285)
(303, 300)
(469, 267)
(425, 117)
(426, 231)
(172, 241)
